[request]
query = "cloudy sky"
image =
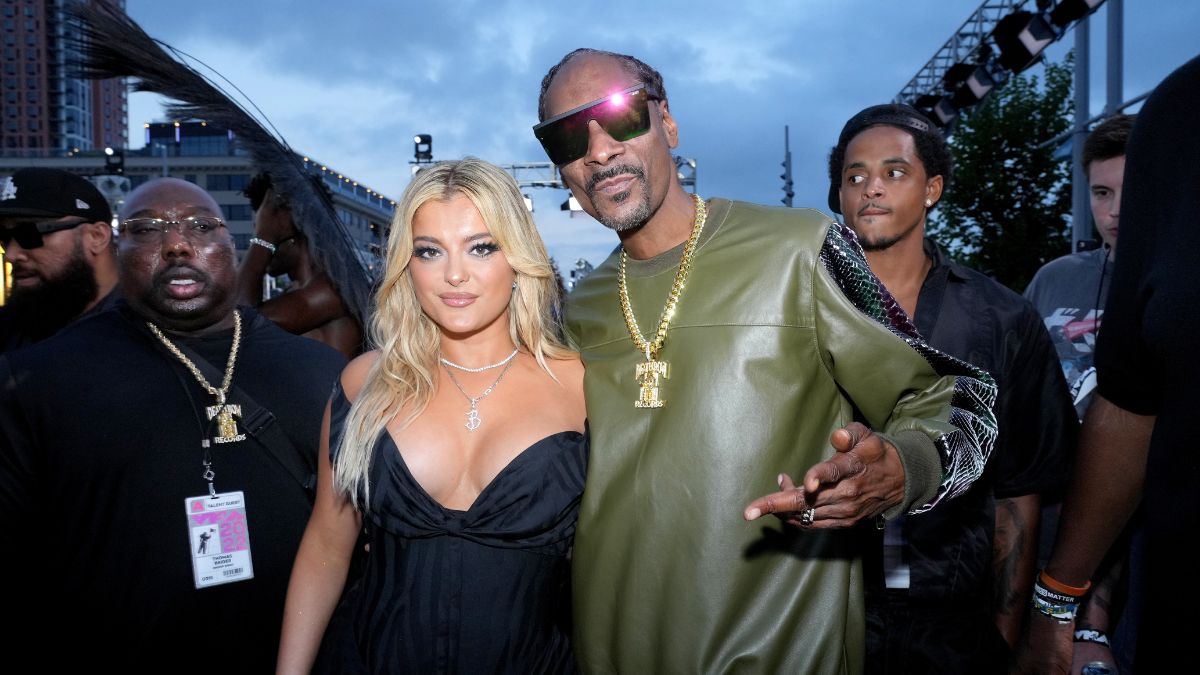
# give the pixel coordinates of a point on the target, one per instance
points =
(349, 83)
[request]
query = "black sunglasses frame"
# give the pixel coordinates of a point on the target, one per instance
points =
(30, 235)
(564, 137)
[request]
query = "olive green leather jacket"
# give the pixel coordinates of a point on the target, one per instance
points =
(768, 356)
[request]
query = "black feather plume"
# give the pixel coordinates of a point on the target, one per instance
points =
(113, 45)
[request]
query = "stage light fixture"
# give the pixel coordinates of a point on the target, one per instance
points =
(956, 75)
(1021, 38)
(1068, 11)
(944, 113)
(423, 147)
(977, 85)
(114, 162)
(926, 102)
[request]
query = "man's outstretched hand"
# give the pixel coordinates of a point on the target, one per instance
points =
(863, 479)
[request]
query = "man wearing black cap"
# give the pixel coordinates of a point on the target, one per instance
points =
(951, 577)
(56, 230)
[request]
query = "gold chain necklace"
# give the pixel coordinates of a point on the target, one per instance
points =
(227, 431)
(648, 373)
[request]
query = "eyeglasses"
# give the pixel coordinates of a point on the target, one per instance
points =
(28, 234)
(196, 229)
(623, 115)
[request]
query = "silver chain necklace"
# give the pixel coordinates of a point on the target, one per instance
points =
(473, 420)
(480, 369)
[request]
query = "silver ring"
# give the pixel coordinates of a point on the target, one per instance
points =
(807, 516)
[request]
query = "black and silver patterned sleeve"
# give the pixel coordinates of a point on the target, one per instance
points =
(964, 449)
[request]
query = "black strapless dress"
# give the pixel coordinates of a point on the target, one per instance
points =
(486, 590)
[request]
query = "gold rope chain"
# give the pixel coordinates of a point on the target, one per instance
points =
(685, 266)
(233, 352)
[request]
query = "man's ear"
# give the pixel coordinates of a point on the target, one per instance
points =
(97, 237)
(669, 126)
(933, 190)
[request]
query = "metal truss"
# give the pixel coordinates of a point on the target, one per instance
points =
(962, 47)
(546, 175)
(535, 175)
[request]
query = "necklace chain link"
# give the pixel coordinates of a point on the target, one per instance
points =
(223, 413)
(473, 420)
(233, 352)
(664, 322)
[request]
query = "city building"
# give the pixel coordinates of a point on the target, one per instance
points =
(47, 109)
(49, 117)
(211, 158)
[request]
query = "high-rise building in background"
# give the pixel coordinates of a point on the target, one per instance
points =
(212, 158)
(51, 118)
(48, 111)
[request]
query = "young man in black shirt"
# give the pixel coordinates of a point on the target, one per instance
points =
(956, 580)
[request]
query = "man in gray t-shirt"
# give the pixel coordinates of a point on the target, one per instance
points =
(1069, 292)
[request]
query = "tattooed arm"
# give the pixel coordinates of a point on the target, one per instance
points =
(1039, 434)
(1014, 555)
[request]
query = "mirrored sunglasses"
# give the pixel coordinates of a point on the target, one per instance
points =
(195, 229)
(623, 115)
(29, 234)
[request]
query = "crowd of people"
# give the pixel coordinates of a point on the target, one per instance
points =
(753, 440)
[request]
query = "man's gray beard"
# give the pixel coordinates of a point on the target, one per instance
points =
(632, 220)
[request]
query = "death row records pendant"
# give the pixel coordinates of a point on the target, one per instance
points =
(647, 375)
(227, 431)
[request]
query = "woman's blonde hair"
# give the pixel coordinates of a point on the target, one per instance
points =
(409, 342)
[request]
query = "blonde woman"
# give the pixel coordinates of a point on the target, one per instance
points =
(459, 444)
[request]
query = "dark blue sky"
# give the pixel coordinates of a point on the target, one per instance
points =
(350, 83)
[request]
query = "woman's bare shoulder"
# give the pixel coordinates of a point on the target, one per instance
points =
(355, 373)
(569, 372)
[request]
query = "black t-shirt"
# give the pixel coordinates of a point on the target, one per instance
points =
(1146, 355)
(972, 317)
(15, 335)
(99, 447)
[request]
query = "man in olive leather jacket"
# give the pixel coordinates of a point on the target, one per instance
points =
(777, 344)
